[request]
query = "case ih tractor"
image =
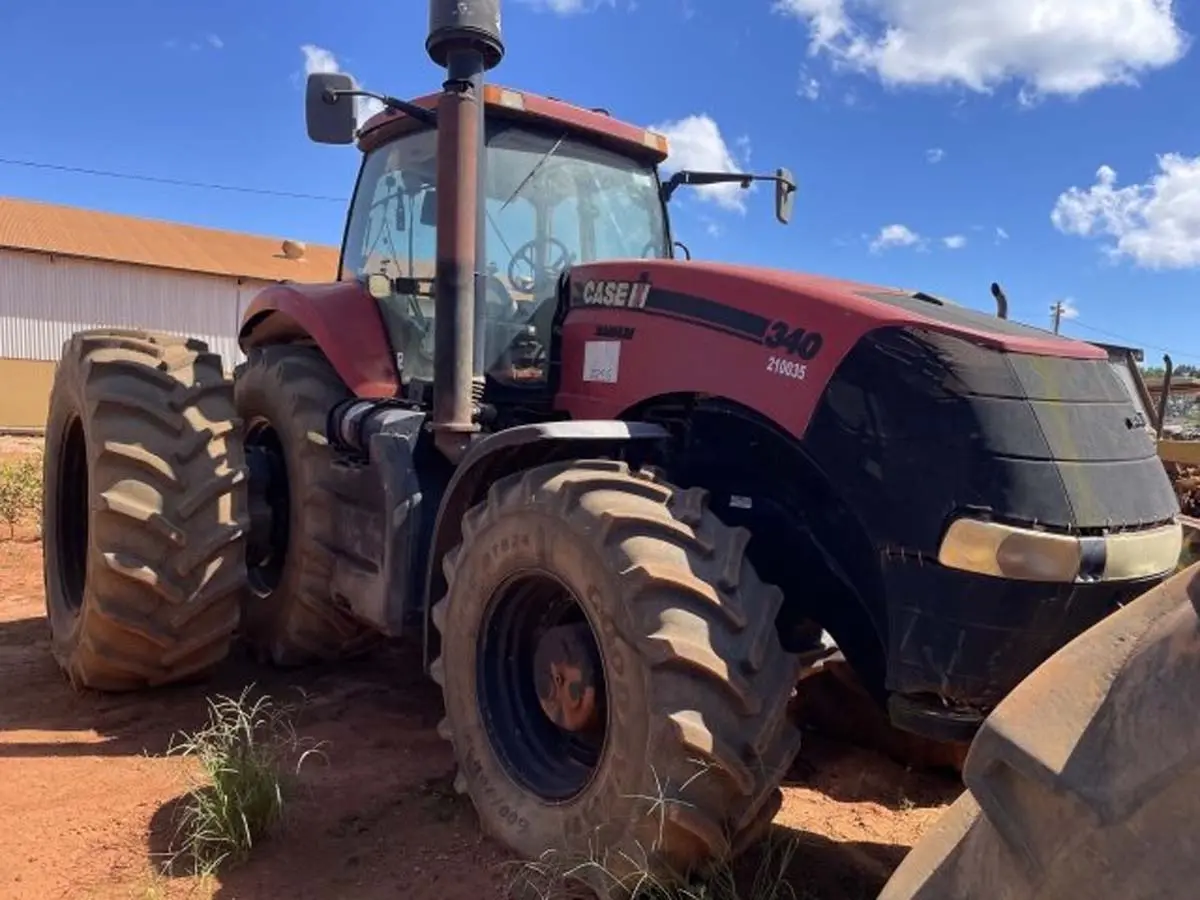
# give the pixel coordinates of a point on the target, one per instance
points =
(618, 494)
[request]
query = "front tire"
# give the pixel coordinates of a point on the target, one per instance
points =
(284, 394)
(692, 685)
(144, 510)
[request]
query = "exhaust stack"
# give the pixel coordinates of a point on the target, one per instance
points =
(1001, 300)
(464, 38)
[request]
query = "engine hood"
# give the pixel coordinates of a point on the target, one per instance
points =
(860, 307)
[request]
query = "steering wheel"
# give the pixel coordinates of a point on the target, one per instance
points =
(652, 250)
(525, 256)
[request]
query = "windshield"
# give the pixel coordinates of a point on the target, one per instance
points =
(551, 201)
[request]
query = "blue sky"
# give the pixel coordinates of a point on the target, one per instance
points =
(1057, 152)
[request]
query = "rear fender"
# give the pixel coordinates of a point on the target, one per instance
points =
(512, 450)
(342, 319)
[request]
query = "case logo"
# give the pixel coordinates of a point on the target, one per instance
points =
(621, 294)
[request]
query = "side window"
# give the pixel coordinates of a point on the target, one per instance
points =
(393, 231)
(628, 218)
(392, 223)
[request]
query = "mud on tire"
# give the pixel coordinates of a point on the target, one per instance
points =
(284, 394)
(144, 510)
(695, 679)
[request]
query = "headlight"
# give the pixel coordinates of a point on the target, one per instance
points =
(1025, 554)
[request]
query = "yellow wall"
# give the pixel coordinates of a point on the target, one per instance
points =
(24, 392)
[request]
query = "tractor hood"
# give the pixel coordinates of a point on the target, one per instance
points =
(746, 298)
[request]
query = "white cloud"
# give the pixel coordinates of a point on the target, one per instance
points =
(1001, 234)
(318, 59)
(1067, 47)
(1068, 310)
(696, 143)
(215, 42)
(809, 88)
(1156, 224)
(955, 242)
(569, 7)
(935, 155)
(745, 150)
(894, 236)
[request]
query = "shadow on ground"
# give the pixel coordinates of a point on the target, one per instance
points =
(377, 816)
(817, 868)
(62, 721)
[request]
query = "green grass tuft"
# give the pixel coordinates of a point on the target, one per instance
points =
(760, 873)
(249, 754)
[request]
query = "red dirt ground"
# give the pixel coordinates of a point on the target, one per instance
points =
(86, 793)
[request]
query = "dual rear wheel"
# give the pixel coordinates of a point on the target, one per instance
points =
(149, 571)
(611, 671)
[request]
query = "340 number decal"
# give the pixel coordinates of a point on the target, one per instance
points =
(794, 341)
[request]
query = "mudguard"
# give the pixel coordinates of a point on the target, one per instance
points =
(341, 318)
(509, 451)
(1085, 780)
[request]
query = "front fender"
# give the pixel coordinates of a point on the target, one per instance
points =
(341, 318)
(512, 450)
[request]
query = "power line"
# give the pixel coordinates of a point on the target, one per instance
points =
(1056, 309)
(176, 182)
(1127, 340)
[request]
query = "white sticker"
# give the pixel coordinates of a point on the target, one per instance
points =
(601, 361)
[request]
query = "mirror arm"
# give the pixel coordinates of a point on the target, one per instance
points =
(685, 176)
(422, 115)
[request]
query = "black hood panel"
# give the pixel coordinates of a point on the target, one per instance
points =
(917, 427)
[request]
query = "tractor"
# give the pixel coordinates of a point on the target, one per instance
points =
(620, 498)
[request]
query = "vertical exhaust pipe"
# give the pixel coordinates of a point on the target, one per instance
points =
(1001, 300)
(464, 38)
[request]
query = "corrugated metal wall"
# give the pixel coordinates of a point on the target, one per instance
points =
(43, 299)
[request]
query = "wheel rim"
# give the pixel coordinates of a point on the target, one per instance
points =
(269, 507)
(71, 514)
(554, 762)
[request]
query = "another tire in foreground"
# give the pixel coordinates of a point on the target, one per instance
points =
(612, 673)
(144, 510)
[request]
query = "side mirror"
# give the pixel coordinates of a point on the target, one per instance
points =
(429, 208)
(785, 195)
(379, 286)
(330, 119)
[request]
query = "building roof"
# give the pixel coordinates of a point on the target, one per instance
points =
(71, 231)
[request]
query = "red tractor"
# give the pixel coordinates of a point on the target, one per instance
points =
(620, 494)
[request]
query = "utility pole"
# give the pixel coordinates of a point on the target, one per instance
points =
(1056, 312)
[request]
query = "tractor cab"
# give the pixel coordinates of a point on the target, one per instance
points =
(557, 186)
(550, 199)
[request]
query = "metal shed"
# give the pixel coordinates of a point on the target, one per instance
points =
(64, 268)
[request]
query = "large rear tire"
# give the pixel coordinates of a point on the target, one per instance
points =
(144, 510)
(284, 394)
(691, 692)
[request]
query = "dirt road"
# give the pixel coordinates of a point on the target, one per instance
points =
(86, 795)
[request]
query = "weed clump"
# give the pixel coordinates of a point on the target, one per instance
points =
(249, 755)
(761, 872)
